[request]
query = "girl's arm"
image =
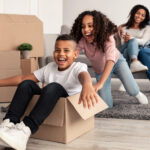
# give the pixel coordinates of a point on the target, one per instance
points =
(107, 70)
(15, 80)
(88, 95)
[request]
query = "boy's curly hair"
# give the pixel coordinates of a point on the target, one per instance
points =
(132, 13)
(103, 27)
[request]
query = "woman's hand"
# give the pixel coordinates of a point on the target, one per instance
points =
(127, 37)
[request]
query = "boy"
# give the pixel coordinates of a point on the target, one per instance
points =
(63, 78)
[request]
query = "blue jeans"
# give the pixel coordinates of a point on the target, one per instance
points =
(144, 57)
(130, 50)
(122, 71)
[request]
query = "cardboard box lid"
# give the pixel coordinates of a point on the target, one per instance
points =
(56, 118)
(86, 113)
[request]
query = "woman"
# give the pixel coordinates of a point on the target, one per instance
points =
(134, 34)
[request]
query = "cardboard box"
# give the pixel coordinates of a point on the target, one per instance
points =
(68, 119)
(9, 60)
(7, 93)
(18, 29)
(29, 65)
(5, 73)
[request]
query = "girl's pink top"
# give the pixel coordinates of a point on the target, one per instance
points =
(96, 56)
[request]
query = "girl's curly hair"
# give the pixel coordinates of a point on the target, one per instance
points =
(103, 27)
(132, 13)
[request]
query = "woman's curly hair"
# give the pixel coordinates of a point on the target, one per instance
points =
(132, 13)
(103, 27)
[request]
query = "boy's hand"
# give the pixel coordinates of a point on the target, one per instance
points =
(88, 96)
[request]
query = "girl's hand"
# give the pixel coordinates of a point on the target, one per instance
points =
(88, 96)
(97, 87)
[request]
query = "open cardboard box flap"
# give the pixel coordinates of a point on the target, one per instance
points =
(86, 113)
(56, 117)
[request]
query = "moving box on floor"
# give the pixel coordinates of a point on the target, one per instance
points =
(9, 66)
(18, 29)
(68, 119)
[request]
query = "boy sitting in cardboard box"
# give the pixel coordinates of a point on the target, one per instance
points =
(64, 78)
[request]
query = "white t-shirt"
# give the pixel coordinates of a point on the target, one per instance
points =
(141, 35)
(67, 78)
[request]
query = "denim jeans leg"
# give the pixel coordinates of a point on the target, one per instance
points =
(50, 94)
(133, 48)
(144, 57)
(130, 50)
(105, 92)
(122, 71)
(21, 99)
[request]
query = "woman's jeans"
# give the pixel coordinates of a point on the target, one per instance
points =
(49, 96)
(144, 57)
(130, 50)
(122, 71)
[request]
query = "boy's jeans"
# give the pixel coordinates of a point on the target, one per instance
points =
(130, 50)
(122, 71)
(144, 57)
(49, 96)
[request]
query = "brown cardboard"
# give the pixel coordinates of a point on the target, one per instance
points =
(9, 60)
(5, 73)
(68, 119)
(29, 65)
(7, 93)
(18, 29)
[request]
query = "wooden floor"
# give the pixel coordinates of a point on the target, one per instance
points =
(109, 134)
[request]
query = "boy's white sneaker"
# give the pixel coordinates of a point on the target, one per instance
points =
(141, 98)
(137, 66)
(4, 126)
(17, 137)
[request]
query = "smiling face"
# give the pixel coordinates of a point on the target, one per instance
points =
(65, 53)
(88, 28)
(139, 16)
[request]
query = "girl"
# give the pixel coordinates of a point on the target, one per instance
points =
(134, 34)
(94, 33)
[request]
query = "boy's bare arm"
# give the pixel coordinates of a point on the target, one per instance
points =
(15, 80)
(88, 95)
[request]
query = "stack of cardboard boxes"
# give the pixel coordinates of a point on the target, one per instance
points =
(15, 30)
(18, 29)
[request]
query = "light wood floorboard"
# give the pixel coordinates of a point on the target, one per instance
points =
(108, 134)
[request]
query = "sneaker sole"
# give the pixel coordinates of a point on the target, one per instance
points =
(9, 142)
(144, 70)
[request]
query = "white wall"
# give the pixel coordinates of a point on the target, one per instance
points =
(49, 11)
(116, 10)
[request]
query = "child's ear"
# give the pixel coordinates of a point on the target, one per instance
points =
(76, 54)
